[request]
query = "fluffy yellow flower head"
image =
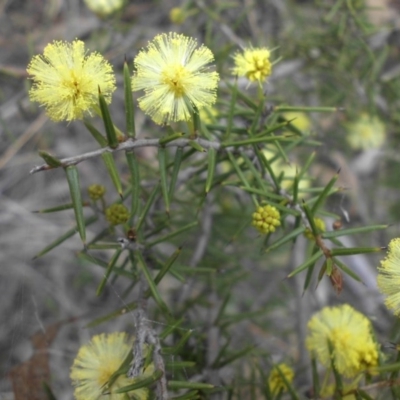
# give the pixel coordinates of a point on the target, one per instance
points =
(275, 380)
(389, 276)
(97, 361)
(266, 219)
(175, 78)
(253, 63)
(367, 132)
(349, 334)
(104, 8)
(66, 80)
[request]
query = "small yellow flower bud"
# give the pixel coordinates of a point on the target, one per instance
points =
(320, 225)
(117, 214)
(266, 219)
(96, 192)
(177, 15)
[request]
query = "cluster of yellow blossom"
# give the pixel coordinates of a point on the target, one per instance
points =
(344, 336)
(389, 276)
(254, 64)
(172, 71)
(97, 361)
(266, 219)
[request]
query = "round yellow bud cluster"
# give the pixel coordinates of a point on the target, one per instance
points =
(96, 192)
(266, 219)
(275, 381)
(177, 15)
(117, 214)
(319, 224)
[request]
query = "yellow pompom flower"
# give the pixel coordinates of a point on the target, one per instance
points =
(389, 276)
(97, 361)
(254, 64)
(175, 78)
(104, 8)
(367, 132)
(275, 381)
(266, 219)
(66, 80)
(348, 332)
(319, 224)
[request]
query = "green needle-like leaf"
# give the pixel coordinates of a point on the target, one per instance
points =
(168, 264)
(192, 395)
(212, 160)
(75, 192)
(146, 208)
(324, 194)
(71, 232)
(180, 364)
(100, 139)
(170, 138)
(49, 159)
(175, 171)
(306, 263)
(285, 239)
(177, 348)
(347, 270)
(112, 139)
(196, 146)
(62, 207)
(109, 269)
(189, 385)
(162, 162)
(141, 382)
(112, 171)
(153, 287)
(254, 140)
(115, 314)
(355, 250)
(236, 355)
(135, 183)
(129, 109)
(231, 112)
(352, 231)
